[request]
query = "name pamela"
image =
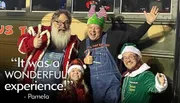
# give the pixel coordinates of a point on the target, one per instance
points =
(32, 96)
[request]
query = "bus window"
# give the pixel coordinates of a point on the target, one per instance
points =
(141, 5)
(12, 4)
(2, 5)
(84, 5)
(48, 5)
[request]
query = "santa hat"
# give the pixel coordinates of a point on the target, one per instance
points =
(97, 18)
(77, 63)
(129, 47)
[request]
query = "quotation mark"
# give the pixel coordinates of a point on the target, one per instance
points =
(70, 82)
(14, 60)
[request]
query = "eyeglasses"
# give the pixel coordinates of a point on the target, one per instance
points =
(130, 57)
(67, 22)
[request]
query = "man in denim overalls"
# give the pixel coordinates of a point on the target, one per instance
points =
(99, 51)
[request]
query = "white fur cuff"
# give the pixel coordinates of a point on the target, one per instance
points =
(158, 86)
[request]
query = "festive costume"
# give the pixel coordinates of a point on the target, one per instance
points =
(105, 77)
(75, 92)
(104, 74)
(33, 55)
(139, 86)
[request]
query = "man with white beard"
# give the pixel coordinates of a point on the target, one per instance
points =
(49, 49)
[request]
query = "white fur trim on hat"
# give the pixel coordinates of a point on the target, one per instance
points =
(130, 49)
(75, 66)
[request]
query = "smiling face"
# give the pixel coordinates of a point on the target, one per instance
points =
(75, 74)
(60, 31)
(94, 31)
(130, 60)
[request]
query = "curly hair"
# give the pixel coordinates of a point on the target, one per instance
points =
(59, 12)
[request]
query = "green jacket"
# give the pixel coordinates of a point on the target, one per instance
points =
(139, 86)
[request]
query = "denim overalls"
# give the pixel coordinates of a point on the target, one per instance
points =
(104, 74)
(52, 63)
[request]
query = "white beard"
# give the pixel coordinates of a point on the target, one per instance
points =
(60, 38)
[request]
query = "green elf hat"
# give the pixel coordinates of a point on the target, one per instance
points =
(129, 47)
(95, 20)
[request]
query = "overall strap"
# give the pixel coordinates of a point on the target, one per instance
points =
(104, 38)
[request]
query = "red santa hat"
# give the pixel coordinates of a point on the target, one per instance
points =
(77, 63)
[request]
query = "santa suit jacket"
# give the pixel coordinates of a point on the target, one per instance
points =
(33, 55)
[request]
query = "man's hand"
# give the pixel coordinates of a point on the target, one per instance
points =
(151, 17)
(161, 78)
(37, 42)
(88, 59)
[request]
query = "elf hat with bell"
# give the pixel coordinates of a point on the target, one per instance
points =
(129, 47)
(77, 63)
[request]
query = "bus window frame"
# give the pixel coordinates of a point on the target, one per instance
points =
(40, 10)
(83, 15)
(130, 16)
(161, 16)
(16, 10)
(87, 11)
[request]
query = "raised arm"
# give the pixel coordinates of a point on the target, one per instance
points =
(151, 17)
(155, 84)
(141, 31)
(29, 41)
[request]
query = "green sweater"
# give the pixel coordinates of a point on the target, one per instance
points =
(139, 88)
